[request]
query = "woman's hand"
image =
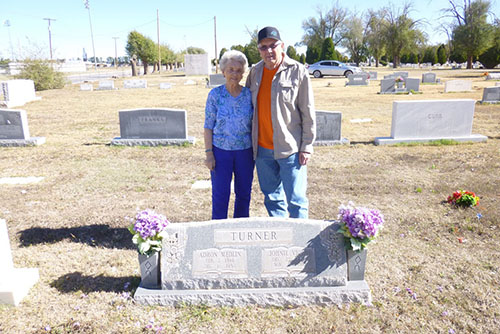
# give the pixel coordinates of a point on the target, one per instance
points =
(210, 160)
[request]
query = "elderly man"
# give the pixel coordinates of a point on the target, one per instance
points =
(283, 127)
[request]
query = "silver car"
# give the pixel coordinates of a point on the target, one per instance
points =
(331, 67)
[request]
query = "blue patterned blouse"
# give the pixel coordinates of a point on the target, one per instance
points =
(230, 118)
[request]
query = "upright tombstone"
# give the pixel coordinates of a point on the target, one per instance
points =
(412, 84)
(373, 75)
(387, 86)
(431, 120)
(14, 129)
(328, 128)
(215, 80)
(401, 74)
(106, 85)
(135, 83)
(152, 127)
(260, 261)
(197, 64)
(358, 79)
(15, 283)
(18, 92)
(390, 76)
(491, 95)
(87, 87)
(428, 77)
(457, 86)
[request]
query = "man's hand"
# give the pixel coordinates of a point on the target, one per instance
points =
(304, 158)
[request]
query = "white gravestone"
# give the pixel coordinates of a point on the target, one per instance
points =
(431, 120)
(457, 86)
(260, 261)
(14, 129)
(429, 77)
(401, 74)
(215, 80)
(358, 79)
(197, 64)
(165, 85)
(106, 85)
(131, 84)
(153, 127)
(15, 283)
(18, 92)
(493, 76)
(328, 128)
(88, 87)
(491, 95)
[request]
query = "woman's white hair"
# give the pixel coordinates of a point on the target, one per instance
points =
(236, 56)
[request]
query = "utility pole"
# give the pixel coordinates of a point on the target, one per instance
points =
(215, 38)
(86, 3)
(7, 24)
(116, 57)
(50, 37)
(158, 33)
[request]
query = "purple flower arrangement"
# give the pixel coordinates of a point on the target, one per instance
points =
(147, 230)
(359, 225)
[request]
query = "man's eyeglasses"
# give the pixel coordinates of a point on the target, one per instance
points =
(267, 47)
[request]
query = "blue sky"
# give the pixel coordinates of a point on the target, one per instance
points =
(182, 23)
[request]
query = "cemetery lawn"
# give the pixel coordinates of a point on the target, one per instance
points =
(434, 269)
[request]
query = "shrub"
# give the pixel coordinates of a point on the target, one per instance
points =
(42, 74)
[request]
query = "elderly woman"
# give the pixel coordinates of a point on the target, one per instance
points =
(228, 138)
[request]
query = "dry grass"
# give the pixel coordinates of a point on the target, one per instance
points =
(71, 225)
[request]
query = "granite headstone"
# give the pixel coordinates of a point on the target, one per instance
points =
(18, 92)
(328, 128)
(429, 77)
(215, 80)
(135, 83)
(14, 129)
(457, 86)
(431, 120)
(358, 79)
(491, 95)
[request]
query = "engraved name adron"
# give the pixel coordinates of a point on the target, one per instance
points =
(282, 236)
(213, 263)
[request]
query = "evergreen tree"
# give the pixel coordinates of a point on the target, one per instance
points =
(328, 50)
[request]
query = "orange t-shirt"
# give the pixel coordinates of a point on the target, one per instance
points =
(264, 109)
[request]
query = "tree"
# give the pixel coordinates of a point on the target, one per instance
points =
(355, 39)
(313, 54)
(328, 50)
(42, 73)
(471, 35)
(491, 57)
(441, 54)
(400, 32)
(143, 47)
(221, 53)
(430, 55)
(195, 50)
(374, 36)
(292, 53)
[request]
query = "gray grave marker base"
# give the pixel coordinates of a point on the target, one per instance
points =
(343, 141)
(475, 138)
(118, 141)
(33, 141)
(354, 291)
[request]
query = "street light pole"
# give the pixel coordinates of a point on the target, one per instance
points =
(86, 3)
(116, 57)
(50, 37)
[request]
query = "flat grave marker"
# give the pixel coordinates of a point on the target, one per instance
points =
(153, 127)
(135, 83)
(165, 85)
(328, 128)
(106, 85)
(431, 120)
(15, 283)
(14, 129)
(262, 261)
(493, 76)
(88, 87)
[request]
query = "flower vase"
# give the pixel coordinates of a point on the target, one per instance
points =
(399, 84)
(356, 261)
(150, 270)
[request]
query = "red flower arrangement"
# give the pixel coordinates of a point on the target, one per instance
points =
(463, 198)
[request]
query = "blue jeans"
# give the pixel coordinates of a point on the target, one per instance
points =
(239, 162)
(284, 184)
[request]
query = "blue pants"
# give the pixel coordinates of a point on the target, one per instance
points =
(284, 184)
(239, 162)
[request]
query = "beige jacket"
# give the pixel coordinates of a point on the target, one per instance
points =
(292, 108)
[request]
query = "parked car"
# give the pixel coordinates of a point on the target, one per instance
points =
(331, 67)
